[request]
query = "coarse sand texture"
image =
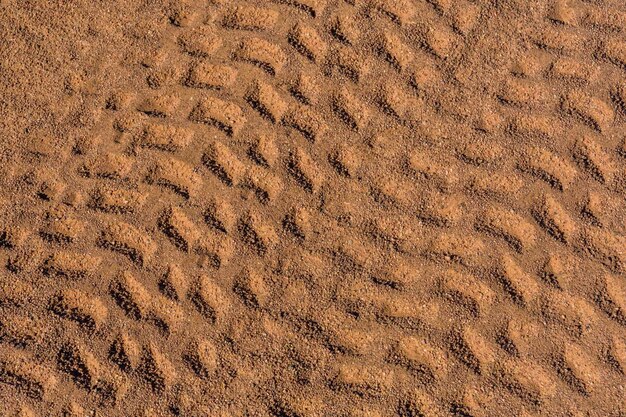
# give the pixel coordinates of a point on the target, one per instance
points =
(312, 208)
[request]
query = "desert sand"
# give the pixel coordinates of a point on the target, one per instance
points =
(303, 208)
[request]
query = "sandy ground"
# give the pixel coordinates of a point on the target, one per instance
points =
(302, 208)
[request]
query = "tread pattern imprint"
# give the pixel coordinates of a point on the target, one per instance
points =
(331, 208)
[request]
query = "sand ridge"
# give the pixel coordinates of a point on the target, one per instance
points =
(313, 208)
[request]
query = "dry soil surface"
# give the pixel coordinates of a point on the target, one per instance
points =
(302, 208)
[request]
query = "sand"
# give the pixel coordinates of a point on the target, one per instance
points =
(313, 208)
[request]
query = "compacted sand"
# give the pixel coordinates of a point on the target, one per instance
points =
(312, 208)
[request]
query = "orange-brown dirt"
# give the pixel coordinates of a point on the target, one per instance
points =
(313, 208)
